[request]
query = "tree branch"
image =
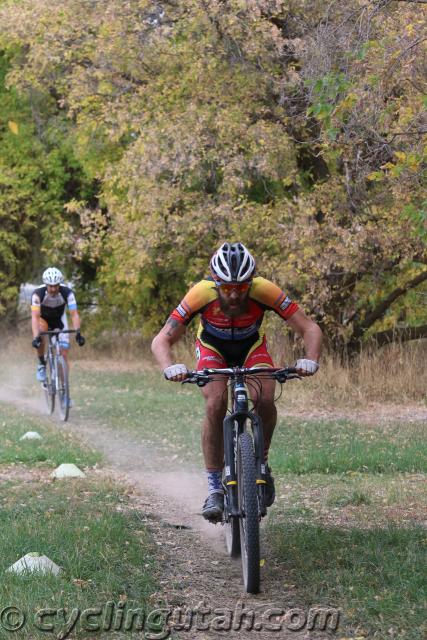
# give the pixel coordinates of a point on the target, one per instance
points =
(403, 334)
(381, 308)
(409, 132)
(409, 48)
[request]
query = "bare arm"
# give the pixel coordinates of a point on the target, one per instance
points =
(164, 340)
(75, 319)
(35, 322)
(310, 332)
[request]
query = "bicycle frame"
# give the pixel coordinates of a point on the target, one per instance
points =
(56, 383)
(234, 424)
(244, 476)
(53, 353)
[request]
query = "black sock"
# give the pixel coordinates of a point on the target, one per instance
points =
(42, 360)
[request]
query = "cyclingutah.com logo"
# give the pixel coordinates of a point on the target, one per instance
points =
(159, 623)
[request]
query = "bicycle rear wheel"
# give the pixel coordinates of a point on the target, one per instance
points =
(232, 537)
(63, 389)
(248, 506)
(49, 387)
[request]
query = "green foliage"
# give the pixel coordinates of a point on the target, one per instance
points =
(37, 171)
(294, 129)
(325, 94)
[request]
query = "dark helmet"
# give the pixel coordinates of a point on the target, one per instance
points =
(232, 263)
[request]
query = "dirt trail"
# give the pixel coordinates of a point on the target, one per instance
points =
(194, 565)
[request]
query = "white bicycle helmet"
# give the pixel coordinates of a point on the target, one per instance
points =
(232, 263)
(52, 276)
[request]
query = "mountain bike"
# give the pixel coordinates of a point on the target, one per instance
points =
(57, 380)
(244, 472)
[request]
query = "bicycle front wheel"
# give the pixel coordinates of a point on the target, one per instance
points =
(49, 387)
(248, 505)
(63, 389)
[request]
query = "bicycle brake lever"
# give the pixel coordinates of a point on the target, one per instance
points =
(291, 376)
(203, 382)
(281, 379)
(198, 378)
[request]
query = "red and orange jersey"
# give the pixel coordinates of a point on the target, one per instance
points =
(202, 299)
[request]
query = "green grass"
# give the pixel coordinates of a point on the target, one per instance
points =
(55, 447)
(355, 497)
(339, 471)
(344, 526)
(164, 414)
(83, 525)
(106, 555)
(170, 414)
(342, 446)
(374, 576)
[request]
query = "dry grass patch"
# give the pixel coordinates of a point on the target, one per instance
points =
(394, 374)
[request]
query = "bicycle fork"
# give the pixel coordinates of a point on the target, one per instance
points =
(51, 362)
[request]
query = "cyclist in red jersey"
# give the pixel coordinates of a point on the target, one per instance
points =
(231, 303)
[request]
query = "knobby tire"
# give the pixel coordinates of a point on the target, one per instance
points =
(63, 389)
(248, 505)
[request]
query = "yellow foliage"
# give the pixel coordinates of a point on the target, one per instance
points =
(214, 121)
(13, 126)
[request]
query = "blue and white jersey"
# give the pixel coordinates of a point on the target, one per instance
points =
(52, 307)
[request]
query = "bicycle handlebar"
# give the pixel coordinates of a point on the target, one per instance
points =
(201, 378)
(55, 332)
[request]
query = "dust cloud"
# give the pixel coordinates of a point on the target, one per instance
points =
(180, 490)
(18, 384)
